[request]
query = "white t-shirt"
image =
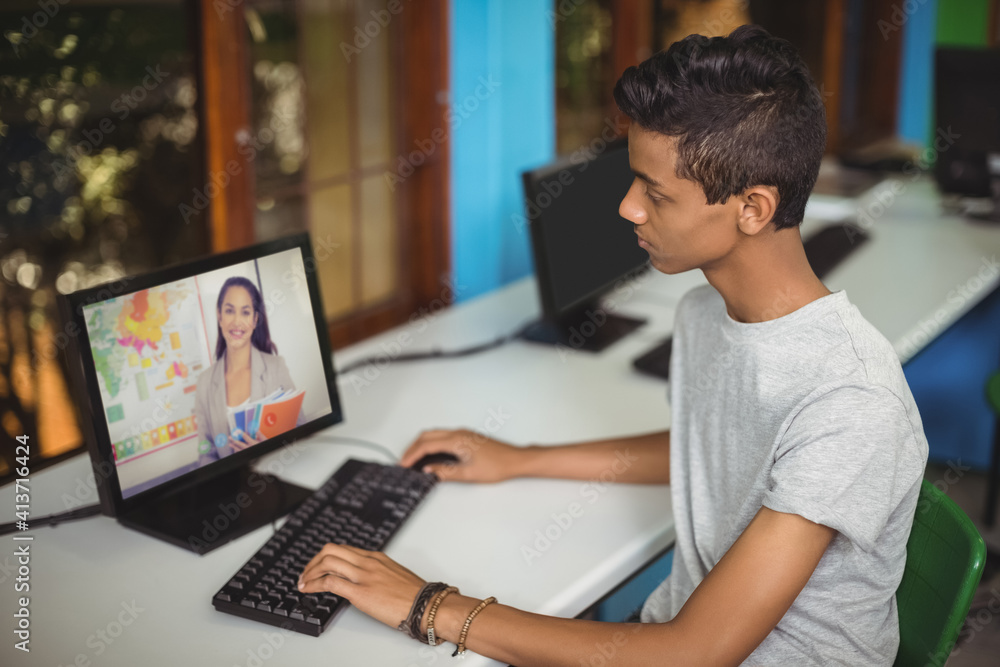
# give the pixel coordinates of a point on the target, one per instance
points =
(807, 414)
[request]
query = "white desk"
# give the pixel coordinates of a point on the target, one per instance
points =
(472, 536)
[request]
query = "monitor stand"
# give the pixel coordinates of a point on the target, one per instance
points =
(208, 515)
(589, 328)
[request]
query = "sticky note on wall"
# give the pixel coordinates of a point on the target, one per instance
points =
(115, 413)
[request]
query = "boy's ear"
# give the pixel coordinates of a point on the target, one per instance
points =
(757, 207)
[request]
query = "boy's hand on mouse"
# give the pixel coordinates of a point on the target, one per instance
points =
(480, 459)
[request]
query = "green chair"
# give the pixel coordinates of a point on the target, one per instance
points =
(944, 562)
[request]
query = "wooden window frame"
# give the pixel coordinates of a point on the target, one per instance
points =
(420, 58)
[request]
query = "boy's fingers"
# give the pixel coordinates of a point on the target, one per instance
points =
(421, 444)
(445, 471)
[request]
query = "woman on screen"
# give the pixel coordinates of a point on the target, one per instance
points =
(246, 368)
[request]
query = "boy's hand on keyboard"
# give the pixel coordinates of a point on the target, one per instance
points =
(480, 459)
(370, 580)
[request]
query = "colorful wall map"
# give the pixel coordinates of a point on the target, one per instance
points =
(149, 348)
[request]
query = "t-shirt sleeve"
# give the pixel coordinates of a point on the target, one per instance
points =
(846, 461)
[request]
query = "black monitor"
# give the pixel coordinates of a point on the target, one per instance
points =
(582, 247)
(185, 375)
(967, 105)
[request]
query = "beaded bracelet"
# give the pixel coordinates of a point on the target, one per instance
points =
(460, 649)
(432, 613)
(411, 624)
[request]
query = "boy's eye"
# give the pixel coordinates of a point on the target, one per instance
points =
(655, 198)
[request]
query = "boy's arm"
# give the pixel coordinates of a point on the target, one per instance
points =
(640, 459)
(728, 615)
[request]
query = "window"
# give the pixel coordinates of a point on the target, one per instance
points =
(99, 140)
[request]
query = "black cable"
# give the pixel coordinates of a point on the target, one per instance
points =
(361, 443)
(436, 353)
(54, 519)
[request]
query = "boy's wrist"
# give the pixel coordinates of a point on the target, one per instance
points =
(528, 462)
(450, 617)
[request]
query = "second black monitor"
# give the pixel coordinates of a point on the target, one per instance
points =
(582, 247)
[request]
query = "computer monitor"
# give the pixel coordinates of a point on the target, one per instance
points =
(967, 104)
(582, 247)
(187, 374)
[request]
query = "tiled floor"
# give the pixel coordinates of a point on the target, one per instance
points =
(979, 642)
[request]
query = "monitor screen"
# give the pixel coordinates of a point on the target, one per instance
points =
(967, 104)
(197, 368)
(582, 246)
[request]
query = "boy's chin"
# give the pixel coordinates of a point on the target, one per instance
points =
(670, 268)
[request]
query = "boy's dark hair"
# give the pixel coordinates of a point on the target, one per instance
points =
(745, 112)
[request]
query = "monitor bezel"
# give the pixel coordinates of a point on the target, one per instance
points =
(83, 370)
(532, 183)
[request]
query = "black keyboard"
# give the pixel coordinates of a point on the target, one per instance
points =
(362, 505)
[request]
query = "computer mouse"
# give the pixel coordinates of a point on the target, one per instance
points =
(436, 457)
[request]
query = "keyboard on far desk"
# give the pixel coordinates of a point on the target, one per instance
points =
(361, 505)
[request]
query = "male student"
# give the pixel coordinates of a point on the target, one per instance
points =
(796, 451)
